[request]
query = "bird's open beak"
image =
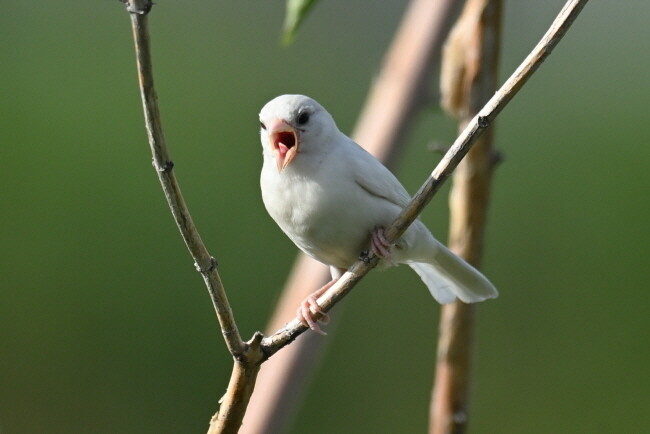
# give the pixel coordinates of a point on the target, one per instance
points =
(284, 142)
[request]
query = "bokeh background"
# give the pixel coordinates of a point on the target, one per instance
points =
(105, 327)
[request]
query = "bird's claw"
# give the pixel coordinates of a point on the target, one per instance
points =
(308, 308)
(379, 244)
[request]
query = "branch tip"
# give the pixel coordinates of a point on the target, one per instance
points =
(256, 339)
(255, 345)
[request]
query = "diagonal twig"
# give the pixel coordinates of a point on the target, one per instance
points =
(443, 170)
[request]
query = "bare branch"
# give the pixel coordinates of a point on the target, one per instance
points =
(234, 403)
(468, 79)
(443, 170)
(248, 356)
(164, 166)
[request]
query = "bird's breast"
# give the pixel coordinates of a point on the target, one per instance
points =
(319, 214)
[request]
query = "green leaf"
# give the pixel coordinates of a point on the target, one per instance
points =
(297, 10)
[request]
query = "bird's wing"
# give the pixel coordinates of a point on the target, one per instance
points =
(375, 178)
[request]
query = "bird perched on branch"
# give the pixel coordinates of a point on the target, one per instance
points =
(333, 200)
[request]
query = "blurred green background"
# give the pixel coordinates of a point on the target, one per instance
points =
(105, 327)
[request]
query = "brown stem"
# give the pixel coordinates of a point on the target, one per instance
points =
(468, 79)
(449, 412)
(234, 403)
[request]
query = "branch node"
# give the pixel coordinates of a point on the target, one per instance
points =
(212, 267)
(255, 344)
(483, 121)
(253, 352)
(138, 7)
(256, 339)
(165, 167)
(228, 332)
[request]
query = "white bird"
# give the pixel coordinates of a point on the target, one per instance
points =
(333, 199)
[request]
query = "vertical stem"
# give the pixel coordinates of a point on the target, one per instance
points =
(234, 403)
(449, 412)
(468, 81)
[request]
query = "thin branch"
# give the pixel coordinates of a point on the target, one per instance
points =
(468, 79)
(164, 166)
(234, 403)
(443, 170)
(248, 356)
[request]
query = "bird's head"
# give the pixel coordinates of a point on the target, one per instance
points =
(293, 124)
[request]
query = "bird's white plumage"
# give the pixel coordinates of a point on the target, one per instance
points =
(333, 194)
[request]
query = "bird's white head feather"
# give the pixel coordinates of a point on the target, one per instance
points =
(291, 125)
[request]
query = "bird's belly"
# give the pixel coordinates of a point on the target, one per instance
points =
(328, 224)
(332, 243)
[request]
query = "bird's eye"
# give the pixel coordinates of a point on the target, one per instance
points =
(263, 126)
(303, 118)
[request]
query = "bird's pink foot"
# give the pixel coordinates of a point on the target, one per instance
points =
(306, 312)
(380, 245)
(309, 309)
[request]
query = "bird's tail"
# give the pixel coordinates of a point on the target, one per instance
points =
(447, 276)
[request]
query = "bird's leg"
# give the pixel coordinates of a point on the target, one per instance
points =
(380, 245)
(309, 307)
